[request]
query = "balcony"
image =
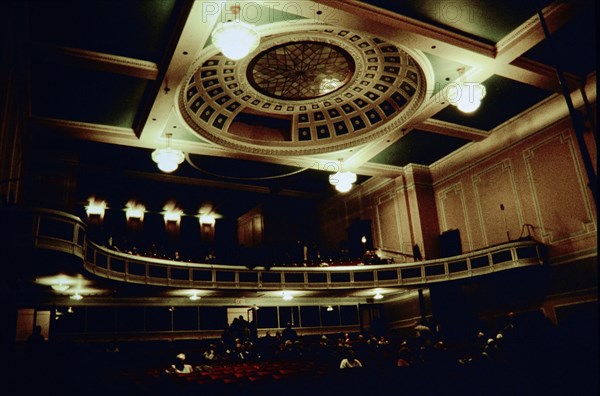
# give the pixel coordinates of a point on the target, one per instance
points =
(63, 232)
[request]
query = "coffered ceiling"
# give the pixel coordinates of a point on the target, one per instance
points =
(123, 73)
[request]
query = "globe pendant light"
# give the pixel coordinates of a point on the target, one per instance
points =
(342, 181)
(167, 159)
(466, 96)
(235, 39)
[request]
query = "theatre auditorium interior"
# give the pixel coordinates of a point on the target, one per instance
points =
(299, 197)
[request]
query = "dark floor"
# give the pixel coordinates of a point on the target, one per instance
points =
(93, 373)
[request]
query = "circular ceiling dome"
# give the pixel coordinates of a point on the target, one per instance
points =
(308, 92)
(300, 70)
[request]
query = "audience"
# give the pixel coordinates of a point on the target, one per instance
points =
(509, 361)
(242, 256)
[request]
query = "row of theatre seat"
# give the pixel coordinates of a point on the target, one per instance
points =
(246, 372)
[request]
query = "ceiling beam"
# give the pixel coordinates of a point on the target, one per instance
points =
(194, 36)
(98, 61)
(453, 130)
(537, 74)
(410, 32)
(486, 60)
(87, 131)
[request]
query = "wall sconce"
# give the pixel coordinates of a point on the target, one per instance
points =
(95, 208)
(195, 297)
(207, 219)
(134, 211)
(168, 159)
(172, 213)
(235, 39)
(172, 216)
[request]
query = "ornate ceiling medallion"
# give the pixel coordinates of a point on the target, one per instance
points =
(309, 92)
(300, 70)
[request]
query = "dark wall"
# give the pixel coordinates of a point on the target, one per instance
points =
(140, 319)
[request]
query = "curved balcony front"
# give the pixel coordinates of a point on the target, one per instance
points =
(123, 267)
(59, 231)
(40, 228)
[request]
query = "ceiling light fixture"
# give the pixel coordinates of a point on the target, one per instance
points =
(60, 286)
(378, 296)
(168, 159)
(76, 296)
(287, 296)
(235, 39)
(466, 96)
(194, 297)
(342, 180)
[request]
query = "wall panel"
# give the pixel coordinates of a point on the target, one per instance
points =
(560, 198)
(389, 223)
(497, 203)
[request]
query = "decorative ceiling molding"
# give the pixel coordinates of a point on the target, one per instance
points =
(378, 91)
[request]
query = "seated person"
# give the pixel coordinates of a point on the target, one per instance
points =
(371, 257)
(210, 353)
(179, 366)
(350, 361)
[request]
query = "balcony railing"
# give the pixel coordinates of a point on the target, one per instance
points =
(49, 229)
(43, 229)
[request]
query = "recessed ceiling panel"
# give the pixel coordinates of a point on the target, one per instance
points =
(504, 99)
(444, 71)
(136, 29)
(572, 47)
(488, 19)
(418, 147)
(84, 95)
